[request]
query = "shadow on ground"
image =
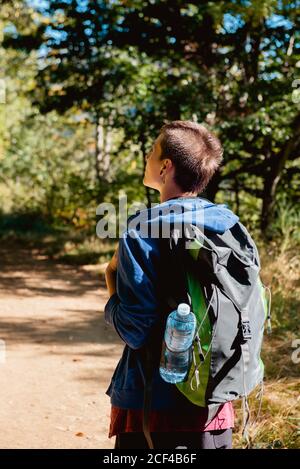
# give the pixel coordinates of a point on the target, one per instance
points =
(28, 278)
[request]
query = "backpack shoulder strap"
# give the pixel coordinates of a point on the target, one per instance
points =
(148, 370)
(174, 289)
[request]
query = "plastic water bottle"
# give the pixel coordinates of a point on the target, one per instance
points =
(176, 349)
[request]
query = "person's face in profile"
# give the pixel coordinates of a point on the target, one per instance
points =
(155, 167)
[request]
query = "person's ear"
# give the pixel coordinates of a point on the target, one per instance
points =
(163, 168)
(166, 164)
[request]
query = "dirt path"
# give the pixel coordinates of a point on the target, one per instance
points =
(60, 354)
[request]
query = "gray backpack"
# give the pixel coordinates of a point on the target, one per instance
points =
(219, 277)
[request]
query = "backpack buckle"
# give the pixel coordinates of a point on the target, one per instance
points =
(246, 330)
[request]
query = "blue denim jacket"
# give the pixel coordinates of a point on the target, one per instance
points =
(134, 310)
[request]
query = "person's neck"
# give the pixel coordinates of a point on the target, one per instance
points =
(167, 193)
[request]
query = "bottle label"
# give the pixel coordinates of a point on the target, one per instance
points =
(179, 341)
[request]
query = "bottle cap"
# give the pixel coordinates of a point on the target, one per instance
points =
(183, 309)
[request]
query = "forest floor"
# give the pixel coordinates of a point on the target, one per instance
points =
(59, 353)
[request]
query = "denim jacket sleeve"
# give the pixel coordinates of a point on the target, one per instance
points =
(133, 309)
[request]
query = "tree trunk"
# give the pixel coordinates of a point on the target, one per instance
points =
(277, 164)
(103, 142)
(236, 194)
(97, 149)
(143, 148)
(213, 187)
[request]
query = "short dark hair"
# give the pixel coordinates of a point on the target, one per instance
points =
(195, 152)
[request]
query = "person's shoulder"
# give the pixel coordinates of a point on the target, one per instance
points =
(142, 233)
(138, 223)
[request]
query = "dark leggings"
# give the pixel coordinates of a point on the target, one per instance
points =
(216, 439)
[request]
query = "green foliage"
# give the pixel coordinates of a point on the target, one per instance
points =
(90, 84)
